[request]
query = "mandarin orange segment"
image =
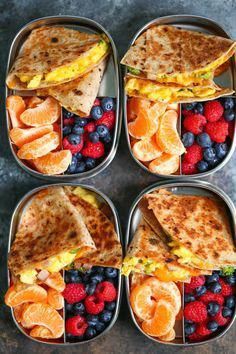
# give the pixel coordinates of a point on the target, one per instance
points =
(169, 336)
(53, 163)
(167, 136)
(135, 106)
(174, 106)
(55, 299)
(45, 113)
(137, 279)
(162, 321)
(15, 106)
(146, 149)
(142, 127)
(18, 311)
(33, 102)
(142, 302)
(21, 136)
(34, 293)
(166, 164)
(41, 332)
(55, 281)
(39, 147)
(40, 314)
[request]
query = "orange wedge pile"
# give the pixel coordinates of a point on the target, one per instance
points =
(36, 133)
(154, 137)
(156, 305)
(36, 306)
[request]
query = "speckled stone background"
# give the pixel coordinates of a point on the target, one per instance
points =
(121, 181)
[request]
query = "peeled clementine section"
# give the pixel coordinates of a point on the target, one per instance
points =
(15, 106)
(53, 163)
(41, 332)
(34, 293)
(33, 102)
(55, 299)
(135, 106)
(21, 136)
(137, 279)
(55, 281)
(169, 336)
(45, 113)
(18, 311)
(143, 126)
(142, 302)
(174, 106)
(146, 149)
(166, 164)
(39, 147)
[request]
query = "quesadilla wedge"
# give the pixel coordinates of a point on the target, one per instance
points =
(155, 91)
(197, 229)
(54, 55)
(170, 54)
(51, 234)
(78, 96)
(108, 251)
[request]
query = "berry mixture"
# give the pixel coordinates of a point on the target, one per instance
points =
(89, 138)
(208, 132)
(90, 301)
(209, 304)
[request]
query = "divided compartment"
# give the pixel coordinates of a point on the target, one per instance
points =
(184, 187)
(227, 79)
(110, 86)
(111, 212)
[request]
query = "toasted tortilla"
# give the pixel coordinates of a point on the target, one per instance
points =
(78, 96)
(198, 223)
(49, 225)
(48, 48)
(108, 251)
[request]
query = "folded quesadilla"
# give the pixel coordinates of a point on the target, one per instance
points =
(169, 54)
(108, 251)
(51, 234)
(197, 229)
(78, 95)
(54, 55)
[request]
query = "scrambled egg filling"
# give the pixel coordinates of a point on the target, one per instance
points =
(89, 196)
(69, 71)
(151, 91)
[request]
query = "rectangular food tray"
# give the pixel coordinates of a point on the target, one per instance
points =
(181, 187)
(13, 227)
(227, 79)
(110, 86)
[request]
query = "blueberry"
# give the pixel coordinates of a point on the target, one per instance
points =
(66, 130)
(97, 270)
(90, 288)
(100, 326)
(86, 278)
(105, 316)
(228, 103)
(230, 302)
(189, 106)
(212, 326)
(188, 139)
(214, 162)
(204, 140)
(69, 307)
(226, 312)
(74, 139)
(102, 130)
(94, 137)
(111, 272)
(209, 154)
(200, 290)
(231, 279)
(90, 163)
(189, 298)
(78, 308)
(198, 108)
(90, 333)
(97, 278)
(215, 288)
(221, 150)
(202, 166)
(66, 114)
(79, 156)
(73, 164)
(81, 167)
(92, 320)
(213, 308)
(107, 104)
(89, 271)
(75, 279)
(81, 121)
(189, 329)
(77, 129)
(229, 115)
(110, 306)
(107, 139)
(212, 278)
(96, 112)
(187, 321)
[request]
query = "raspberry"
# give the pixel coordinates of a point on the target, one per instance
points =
(194, 123)
(209, 297)
(73, 148)
(69, 121)
(194, 337)
(217, 130)
(105, 291)
(188, 289)
(97, 102)
(76, 325)
(226, 289)
(94, 150)
(195, 311)
(222, 321)
(90, 127)
(202, 330)
(197, 281)
(186, 113)
(188, 168)
(107, 119)
(93, 305)
(74, 292)
(231, 129)
(213, 111)
(194, 154)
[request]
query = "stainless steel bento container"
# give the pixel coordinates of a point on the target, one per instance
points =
(227, 79)
(13, 227)
(110, 86)
(182, 187)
